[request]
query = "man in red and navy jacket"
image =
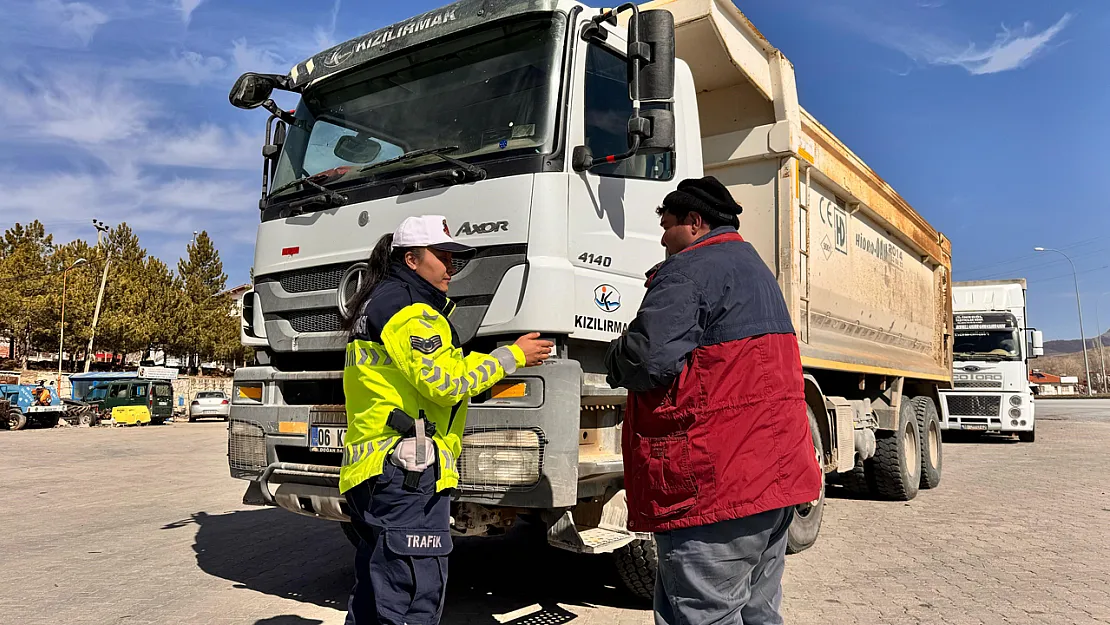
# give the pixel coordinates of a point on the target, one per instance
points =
(717, 448)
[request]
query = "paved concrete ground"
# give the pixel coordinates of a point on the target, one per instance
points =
(143, 525)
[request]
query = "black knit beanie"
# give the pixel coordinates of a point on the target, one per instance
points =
(707, 197)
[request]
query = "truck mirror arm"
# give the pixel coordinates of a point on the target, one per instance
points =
(285, 116)
(583, 159)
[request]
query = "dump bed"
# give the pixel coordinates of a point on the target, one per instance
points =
(865, 276)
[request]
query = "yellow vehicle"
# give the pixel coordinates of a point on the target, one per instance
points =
(131, 415)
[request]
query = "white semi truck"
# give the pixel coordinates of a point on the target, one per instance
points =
(992, 348)
(547, 132)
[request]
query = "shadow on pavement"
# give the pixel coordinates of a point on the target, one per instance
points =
(282, 554)
(288, 619)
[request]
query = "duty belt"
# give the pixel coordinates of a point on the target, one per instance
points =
(416, 451)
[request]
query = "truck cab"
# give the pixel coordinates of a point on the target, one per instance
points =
(992, 347)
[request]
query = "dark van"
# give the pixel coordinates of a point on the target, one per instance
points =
(157, 395)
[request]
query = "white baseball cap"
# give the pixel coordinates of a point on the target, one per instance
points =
(427, 231)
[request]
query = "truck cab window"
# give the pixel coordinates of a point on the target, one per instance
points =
(139, 390)
(607, 111)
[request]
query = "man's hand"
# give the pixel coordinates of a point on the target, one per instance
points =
(535, 350)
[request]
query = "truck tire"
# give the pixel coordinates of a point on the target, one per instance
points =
(807, 516)
(1028, 437)
(895, 470)
(637, 563)
(16, 419)
(351, 533)
(928, 424)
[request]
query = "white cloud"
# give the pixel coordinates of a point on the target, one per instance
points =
(187, 67)
(187, 7)
(153, 205)
(143, 166)
(53, 23)
(109, 119)
(248, 58)
(1010, 50)
(325, 35)
(83, 108)
(208, 146)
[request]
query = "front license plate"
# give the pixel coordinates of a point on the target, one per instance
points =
(975, 426)
(326, 439)
(45, 409)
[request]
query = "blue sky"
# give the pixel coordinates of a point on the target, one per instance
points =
(987, 116)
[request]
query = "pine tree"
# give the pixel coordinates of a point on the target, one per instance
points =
(26, 281)
(207, 309)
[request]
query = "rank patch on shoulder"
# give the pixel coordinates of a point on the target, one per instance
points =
(426, 346)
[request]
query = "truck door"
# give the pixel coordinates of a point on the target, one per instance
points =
(614, 233)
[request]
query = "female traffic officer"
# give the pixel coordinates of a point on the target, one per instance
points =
(407, 382)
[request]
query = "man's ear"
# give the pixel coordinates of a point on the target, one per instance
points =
(695, 221)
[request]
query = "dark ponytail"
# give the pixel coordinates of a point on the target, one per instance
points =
(377, 269)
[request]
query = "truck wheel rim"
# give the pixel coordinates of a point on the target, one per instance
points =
(934, 443)
(909, 449)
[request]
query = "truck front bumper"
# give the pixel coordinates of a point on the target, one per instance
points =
(519, 451)
(975, 410)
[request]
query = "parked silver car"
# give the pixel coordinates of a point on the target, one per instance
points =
(210, 404)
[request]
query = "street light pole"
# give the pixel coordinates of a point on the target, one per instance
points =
(100, 230)
(62, 331)
(1079, 305)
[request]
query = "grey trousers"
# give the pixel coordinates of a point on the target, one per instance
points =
(726, 573)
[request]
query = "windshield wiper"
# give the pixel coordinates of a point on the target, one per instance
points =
(329, 197)
(469, 171)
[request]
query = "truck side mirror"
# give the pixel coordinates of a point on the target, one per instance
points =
(1037, 344)
(252, 90)
(651, 43)
(657, 131)
(651, 80)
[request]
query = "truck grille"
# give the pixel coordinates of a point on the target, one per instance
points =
(314, 320)
(312, 279)
(978, 384)
(246, 447)
(328, 415)
(327, 278)
(973, 405)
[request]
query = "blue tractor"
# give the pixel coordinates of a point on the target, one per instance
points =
(32, 403)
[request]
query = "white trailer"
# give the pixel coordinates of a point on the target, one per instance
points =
(991, 351)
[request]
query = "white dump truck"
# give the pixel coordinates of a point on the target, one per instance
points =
(547, 132)
(992, 348)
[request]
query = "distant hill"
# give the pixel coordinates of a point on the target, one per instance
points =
(1073, 346)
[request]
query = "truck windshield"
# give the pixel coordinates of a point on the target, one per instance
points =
(987, 345)
(491, 92)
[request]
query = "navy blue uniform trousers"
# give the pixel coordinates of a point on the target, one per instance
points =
(401, 563)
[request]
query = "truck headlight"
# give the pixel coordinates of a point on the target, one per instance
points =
(1015, 400)
(501, 458)
(1015, 412)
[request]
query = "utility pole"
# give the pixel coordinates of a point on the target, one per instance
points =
(1079, 305)
(101, 229)
(62, 331)
(1101, 354)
